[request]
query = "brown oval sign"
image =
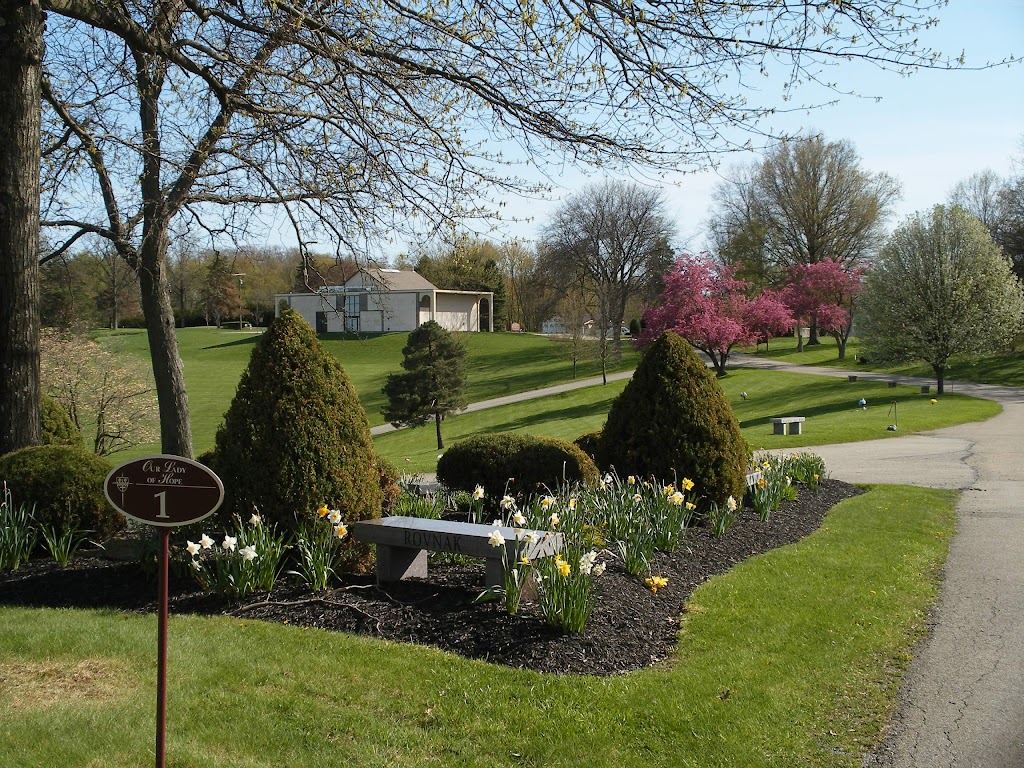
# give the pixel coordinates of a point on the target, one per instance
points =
(164, 490)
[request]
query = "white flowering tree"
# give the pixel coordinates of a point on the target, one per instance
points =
(941, 287)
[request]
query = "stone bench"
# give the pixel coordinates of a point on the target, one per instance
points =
(787, 425)
(403, 543)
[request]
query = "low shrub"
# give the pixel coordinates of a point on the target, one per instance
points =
(590, 444)
(517, 464)
(65, 484)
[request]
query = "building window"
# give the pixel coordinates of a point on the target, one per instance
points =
(352, 304)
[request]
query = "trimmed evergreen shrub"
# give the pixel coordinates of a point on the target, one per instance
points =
(295, 435)
(673, 421)
(66, 485)
(525, 463)
(58, 428)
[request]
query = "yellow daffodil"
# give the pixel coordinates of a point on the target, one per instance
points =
(656, 583)
(668, 490)
(572, 505)
(563, 567)
(631, 480)
(323, 511)
(690, 505)
(547, 502)
(687, 484)
(762, 483)
(676, 499)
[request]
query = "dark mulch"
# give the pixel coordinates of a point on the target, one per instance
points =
(630, 628)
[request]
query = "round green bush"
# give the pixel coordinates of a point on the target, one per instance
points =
(295, 435)
(521, 463)
(673, 421)
(66, 485)
(58, 428)
(590, 444)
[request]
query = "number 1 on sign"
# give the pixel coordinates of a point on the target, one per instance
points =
(163, 503)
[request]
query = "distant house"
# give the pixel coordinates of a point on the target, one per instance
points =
(390, 301)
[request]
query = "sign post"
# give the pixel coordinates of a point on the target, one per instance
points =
(166, 492)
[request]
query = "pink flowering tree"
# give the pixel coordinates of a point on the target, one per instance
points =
(702, 301)
(822, 295)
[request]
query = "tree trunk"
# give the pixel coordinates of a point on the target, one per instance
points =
(940, 377)
(799, 339)
(21, 55)
(175, 426)
(813, 340)
(437, 425)
(841, 346)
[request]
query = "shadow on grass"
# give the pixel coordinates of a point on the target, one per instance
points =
(247, 341)
(551, 414)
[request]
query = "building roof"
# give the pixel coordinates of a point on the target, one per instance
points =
(399, 279)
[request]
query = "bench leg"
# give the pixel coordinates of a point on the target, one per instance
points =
(779, 429)
(397, 563)
(495, 572)
(794, 428)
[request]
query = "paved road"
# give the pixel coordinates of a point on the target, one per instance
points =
(962, 703)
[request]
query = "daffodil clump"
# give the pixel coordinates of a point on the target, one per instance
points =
(319, 548)
(565, 585)
(722, 517)
(246, 559)
(18, 533)
(806, 469)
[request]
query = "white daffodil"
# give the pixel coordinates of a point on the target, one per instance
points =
(547, 502)
(631, 479)
(518, 518)
(229, 543)
(496, 539)
(607, 479)
(676, 498)
(530, 537)
(205, 542)
(340, 531)
(248, 553)
(731, 502)
(587, 562)
(507, 502)
(637, 498)
(598, 569)
(334, 516)
(255, 519)
(193, 548)
(498, 523)
(572, 505)
(478, 493)
(555, 519)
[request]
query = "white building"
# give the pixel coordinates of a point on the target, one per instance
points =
(387, 301)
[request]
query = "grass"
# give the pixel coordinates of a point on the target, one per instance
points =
(499, 364)
(1006, 369)
(791, 659)
(829, 405)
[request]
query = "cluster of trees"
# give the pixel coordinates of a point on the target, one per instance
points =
(351, 119)
(96, 288)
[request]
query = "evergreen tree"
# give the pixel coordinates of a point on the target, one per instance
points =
(295, 435)
(434, 381)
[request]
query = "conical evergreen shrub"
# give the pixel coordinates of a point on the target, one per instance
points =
(295, 435)
(673, 421)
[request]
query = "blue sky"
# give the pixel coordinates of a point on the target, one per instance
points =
(929, 130)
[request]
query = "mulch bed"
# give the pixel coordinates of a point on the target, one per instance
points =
(630, 628)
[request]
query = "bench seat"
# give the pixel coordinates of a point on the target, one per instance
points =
(403, 542)
(787, 425)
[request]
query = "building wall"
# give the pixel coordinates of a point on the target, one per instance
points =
(458, 313)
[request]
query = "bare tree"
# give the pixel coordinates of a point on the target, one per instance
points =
(354, 116)
(611, 237)
(979, 195)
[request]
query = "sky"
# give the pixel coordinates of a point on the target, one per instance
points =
(929, 130)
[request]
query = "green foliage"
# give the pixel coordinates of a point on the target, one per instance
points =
(65, 484)
(18, 535)
(522, 463)
(673, 420)
(470, 264)
(295, 436)
(590, 444)
(58, 428)
(434, 382)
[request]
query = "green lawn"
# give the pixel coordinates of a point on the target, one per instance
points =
(829, 405)
(499, 364)
(792, 658)
(1005, 369)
